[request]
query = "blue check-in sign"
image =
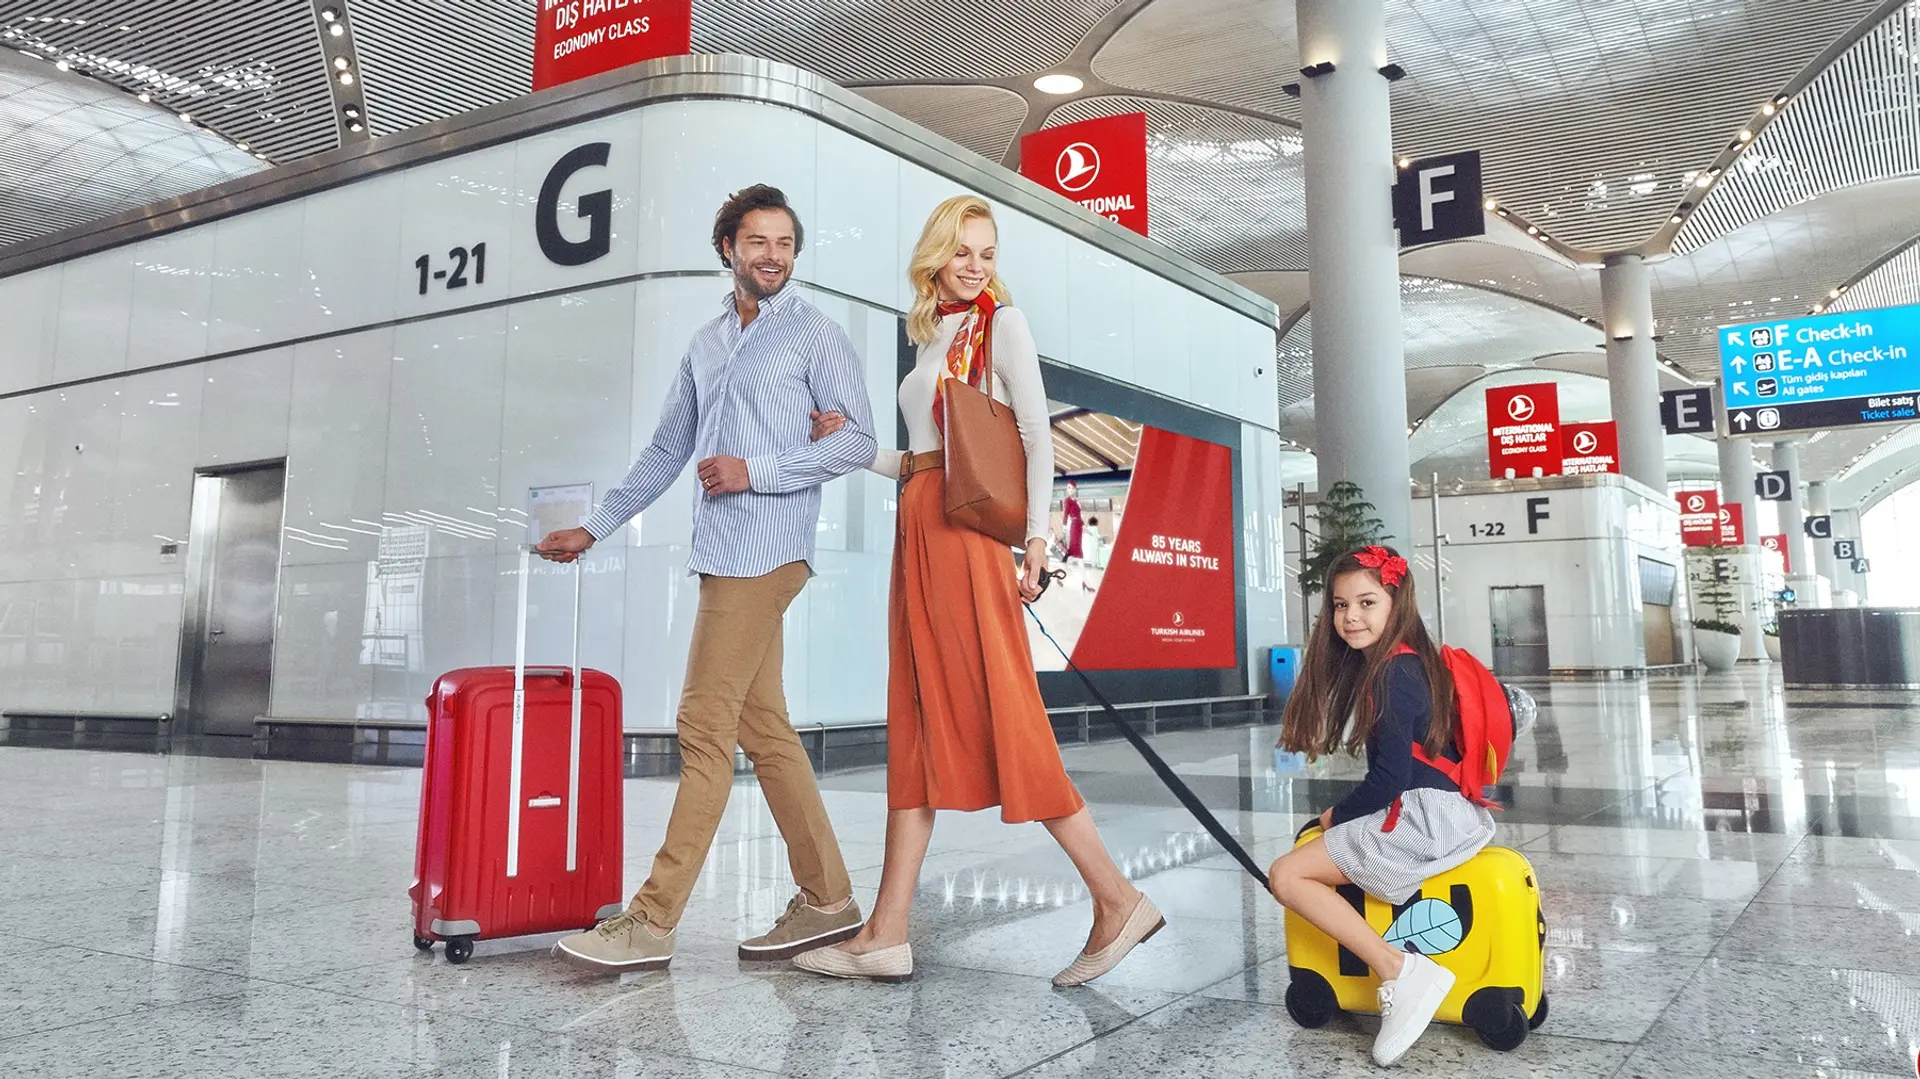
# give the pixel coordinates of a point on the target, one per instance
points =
(1822, 371)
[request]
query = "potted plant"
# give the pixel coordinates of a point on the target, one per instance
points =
(1771, 632)
(1716, 636)
(1345, 523)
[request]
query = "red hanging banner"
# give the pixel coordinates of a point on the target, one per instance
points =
(1523, 431)
(1778, 545)
(1699, 518)
(1733, 525)
(1589, 447)
(573, 39)
(1100, 164)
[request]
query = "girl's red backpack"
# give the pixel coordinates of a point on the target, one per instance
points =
(1485, 738)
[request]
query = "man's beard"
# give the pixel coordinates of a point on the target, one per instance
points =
(749, 282)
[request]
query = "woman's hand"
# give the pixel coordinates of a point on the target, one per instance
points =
(1036, 564)
(826, 423)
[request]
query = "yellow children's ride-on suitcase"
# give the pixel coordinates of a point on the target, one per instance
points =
(1482, 921)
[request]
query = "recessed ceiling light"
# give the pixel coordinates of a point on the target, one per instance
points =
(1675, 219)
(1058, 83)
(1493, 204)
(1746, 135)
(63, 65)
(1533, 230)
(240, 145)
(145, 98)
(186, 117)
(356, 127)
(340, 63)
(346, 78)
(1405, 161)
(329, 14)
(337, 30)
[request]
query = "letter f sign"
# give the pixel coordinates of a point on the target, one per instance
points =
(1429, 198)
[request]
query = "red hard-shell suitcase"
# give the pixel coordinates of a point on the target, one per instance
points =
(520, 801)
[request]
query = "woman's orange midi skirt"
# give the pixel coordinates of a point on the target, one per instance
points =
(966, 728)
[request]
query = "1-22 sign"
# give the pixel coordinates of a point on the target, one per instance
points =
(1496, 528)
(457, 277)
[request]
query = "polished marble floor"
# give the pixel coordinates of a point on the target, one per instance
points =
(1731, 875)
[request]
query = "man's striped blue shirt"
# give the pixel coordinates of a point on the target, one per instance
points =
(750, 394)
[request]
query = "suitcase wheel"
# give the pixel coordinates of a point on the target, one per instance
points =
(425, 944)
(1310, 999)
(1539, 1014)
(1497, 1018)
(459, 949)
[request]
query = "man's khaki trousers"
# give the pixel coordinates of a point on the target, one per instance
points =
(733, 696)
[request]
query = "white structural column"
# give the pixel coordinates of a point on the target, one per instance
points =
(1793, 514)
(1359, 360)
(1633, 368)
(1846, 525)
(1736, 489)
(1820, 504)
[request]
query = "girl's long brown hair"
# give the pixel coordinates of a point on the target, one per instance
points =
(1337, 697)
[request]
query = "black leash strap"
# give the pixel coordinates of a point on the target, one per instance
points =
(1174, 783)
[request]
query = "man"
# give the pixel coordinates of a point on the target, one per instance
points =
(747, 390)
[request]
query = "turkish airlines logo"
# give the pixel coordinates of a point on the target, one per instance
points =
(1726, 516)
(1696, 504)
(1077, 167)
(1179, 619)
(1520, 409)
(1771, 543)
(1585, 442)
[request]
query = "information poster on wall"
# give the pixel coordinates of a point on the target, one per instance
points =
(1100, 164)
(1150, 582)
(1523, 431)
(573, 39)
(1589, 447)
(1699, 518)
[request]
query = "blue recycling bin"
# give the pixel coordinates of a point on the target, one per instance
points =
(1283, 665)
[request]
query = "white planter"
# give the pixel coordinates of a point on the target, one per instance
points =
(1719, 651)
(1773, 647)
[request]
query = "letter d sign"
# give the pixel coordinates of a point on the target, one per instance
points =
(1773, 486)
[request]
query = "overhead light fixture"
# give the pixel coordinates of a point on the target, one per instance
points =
(1675, 219)
(1533, 230)
(1404, 162)
(1746, 134)
(346, 78)
(337, 30)
(1623, 336)
(240, 146)
(186, 118)
(330, 14)
(1833, 294)
(1503, 213)
(1058, 83)
(1768, 109)
(1393, 72)
(1291, 89)
(1781, 101)
(1703, 180)
(1314, 71)
(340, 63)
(352, 111)
(356, 127)
(145, 98)
(1493, 204)
(62, 65)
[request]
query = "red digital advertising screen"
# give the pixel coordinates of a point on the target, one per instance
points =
(1143, 525)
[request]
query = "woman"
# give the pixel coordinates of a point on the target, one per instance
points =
(966, 728)
(1070, 521)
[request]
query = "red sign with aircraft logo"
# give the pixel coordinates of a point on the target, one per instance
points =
(1100, 164)
(573, 39)
(1778, 545)
(1523, 431)
(1589, 447)
(1733, 525)
(1699, 518)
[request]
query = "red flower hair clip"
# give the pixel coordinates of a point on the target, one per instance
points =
(1391, 567)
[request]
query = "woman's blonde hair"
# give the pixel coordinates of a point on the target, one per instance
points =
(939, 240)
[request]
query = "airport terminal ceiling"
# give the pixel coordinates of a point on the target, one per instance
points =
(1764, 155)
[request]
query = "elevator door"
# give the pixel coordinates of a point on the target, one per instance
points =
(1519, 631)
(236, 530)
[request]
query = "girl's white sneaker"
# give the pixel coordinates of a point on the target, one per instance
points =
(1407, 1005)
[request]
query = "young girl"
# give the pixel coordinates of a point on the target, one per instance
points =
(1373, 677)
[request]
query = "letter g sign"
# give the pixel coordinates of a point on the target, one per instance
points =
(596, 208)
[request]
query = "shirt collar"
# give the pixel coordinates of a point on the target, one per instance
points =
(777, 304)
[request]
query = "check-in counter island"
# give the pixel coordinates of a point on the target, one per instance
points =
(1851, 646)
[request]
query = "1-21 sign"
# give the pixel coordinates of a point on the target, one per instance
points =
(456, 277)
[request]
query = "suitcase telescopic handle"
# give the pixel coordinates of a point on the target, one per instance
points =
(570, 676)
